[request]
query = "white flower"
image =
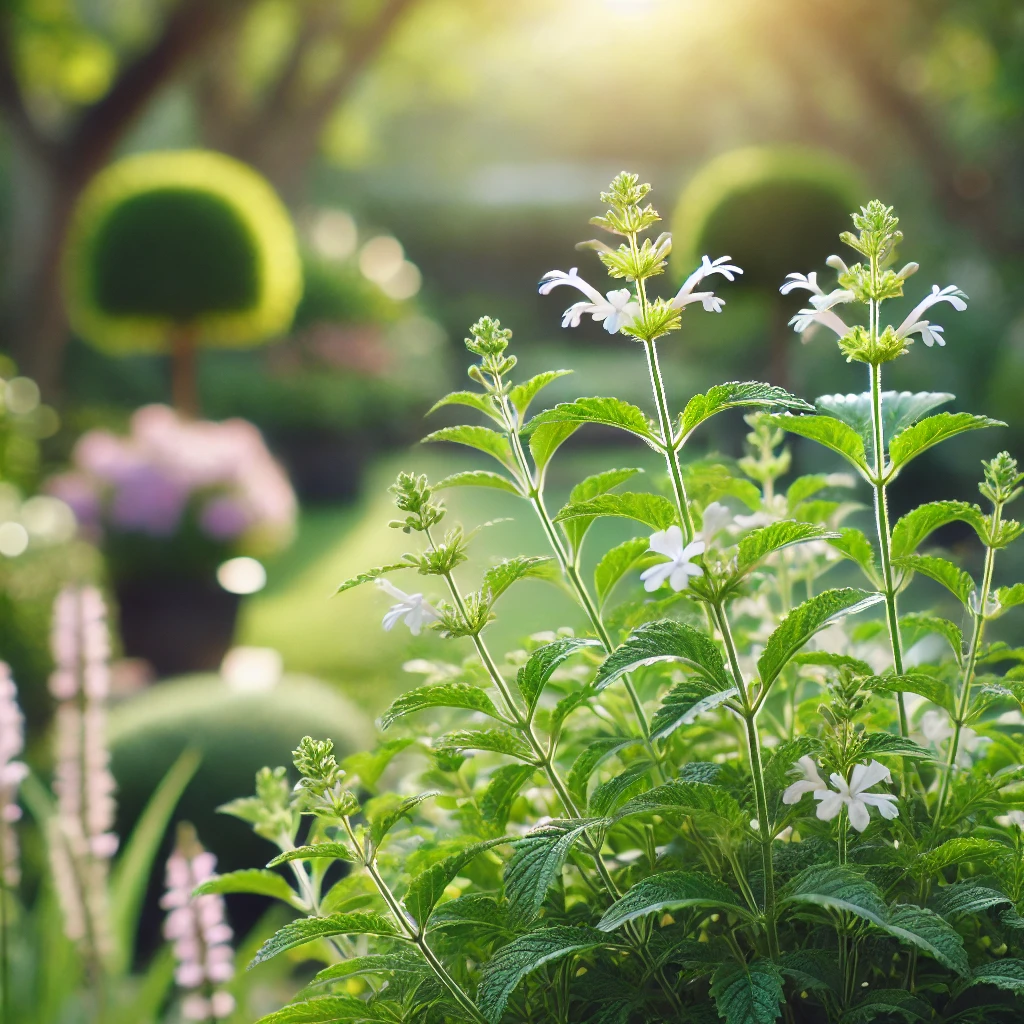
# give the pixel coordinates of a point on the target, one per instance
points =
(711, 302)
(936, 728)
(617, 309)
(834, 298)
(807, 282)
(805, 317)
(411, 607)
(855, 796)
(679, 568)
(931, 333)
(717, 517)
(810, 783)
(1011, 818)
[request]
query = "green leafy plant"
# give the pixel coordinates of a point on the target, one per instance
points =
(744, 791)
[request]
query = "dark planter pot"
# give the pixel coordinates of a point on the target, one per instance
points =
(177, 625)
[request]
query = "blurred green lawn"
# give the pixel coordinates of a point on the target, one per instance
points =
(340, 639)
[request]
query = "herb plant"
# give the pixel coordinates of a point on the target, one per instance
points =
(742, 793)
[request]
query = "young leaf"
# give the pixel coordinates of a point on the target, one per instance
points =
(429, 886)
(473, 399)
(479, 478)
(629, 556)
(804, 621)
(923, 624)
(443, 695)
(547, 439)
(652, 510)
(482, 438)
(523, 394)
(309, 929)
(831, 433)
(333, 851)
(912, 529)
(606, 797)
(666, 640)
(534, 675)
(734, 395)
(956, 581)
(369, 765)
(251, 880)
(965, 898)
(498, 578)
(955, 851)
(804, 487)
(910, 443)
(924, 685)
(669, 890)
(761, 543)
(606, 412)
(387, 811)
(918, 926)
(748, 993)
(684, 702)
(501, 791)
(591, 487)
(852, 543)
(887, 744)
(499, 741)
(370, 575)
(1009, 597)
(597, 750)
(511, 963)
(536, 860)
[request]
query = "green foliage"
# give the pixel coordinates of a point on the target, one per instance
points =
(734, 395)
(748, 993)
(311, 929)
(605, 412)
(671, 890)
(833, 434)
(650, 509)
(912, 441)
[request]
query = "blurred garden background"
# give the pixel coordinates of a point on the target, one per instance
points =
(240, 244)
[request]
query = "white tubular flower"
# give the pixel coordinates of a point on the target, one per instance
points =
(717, 517)
(837, 264)
(834, 298)
(931, 334)
(416, 611)
(810, 783)
(197, 928)
(806, 282)
(679, 567)
(854, 796)
(1011, 818)
(936, 729)
(12, 774)
(617, 309)
(805, 317)
(711, 302)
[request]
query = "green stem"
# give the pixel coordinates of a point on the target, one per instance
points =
(749, 715)
(882, 527)
(964, 698)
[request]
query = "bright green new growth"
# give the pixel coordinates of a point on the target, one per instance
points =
(715, 802)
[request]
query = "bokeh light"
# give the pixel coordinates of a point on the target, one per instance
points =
(242, 575)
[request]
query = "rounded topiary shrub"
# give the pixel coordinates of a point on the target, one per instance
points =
(174, 251)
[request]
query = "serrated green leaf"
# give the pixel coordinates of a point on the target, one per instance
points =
(534, 675)
(442, 695)
(333, 851)
(498, 578)
(250, 880)
(501, 791)
(545, 440)
(966, 898)
(924, 624)
(804, 621)
(397, 961)
(597, 750)
(899, 410)
(915, 440)
(593, 486)
(852, 543)
(955, 580)
(734, 395)
(887, 1003)
(837, 888)
(511, 963)
(855, 665)
(813, 970)
(498, 741)
(707, 481)
(630, 781)
(479, 478)
(759, 544)
(912, 529)
(918, 926)
(370, 575)
(666, 640)
(748, 993)
(955, 851)
(887, 744)
(652, 510)
(920, 683)
(606, 412)
(386, 812)
(474, 400)
(523, 394)
(706, 804)
(483, 439)
(309, 929)
(476, 910)
(630, 555)
(1005, 974)
(804, 487)
(428, 887)
(832, 433)
(684, 702)
(320, 1010)
(669, 890)
(567, 705)
(369, 765)
(1009, 597)
(536, 860)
